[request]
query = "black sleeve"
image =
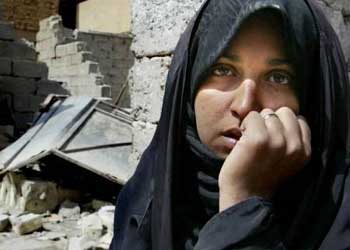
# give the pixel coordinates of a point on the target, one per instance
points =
(248, 225)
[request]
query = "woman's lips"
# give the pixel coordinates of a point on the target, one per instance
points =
(229, 142)
(231, 137)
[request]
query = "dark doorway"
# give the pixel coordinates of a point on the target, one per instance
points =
(68, 11)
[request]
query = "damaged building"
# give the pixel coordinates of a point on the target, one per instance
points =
(66, 156)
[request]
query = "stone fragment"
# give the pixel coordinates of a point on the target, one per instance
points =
(5, 66)
(4, 221)
(92, 226)
(7, 31)
(106, 215)
(26, 223)
(29, 69)
(52, 236)
(80, 243)
(105, 241)
(69, 209)
(39, 196)
(29, 242)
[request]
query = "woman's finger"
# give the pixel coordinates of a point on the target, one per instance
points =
(275, 129)
(292, 130)
(305, 135)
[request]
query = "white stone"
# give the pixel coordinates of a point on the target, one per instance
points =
(158, 24)
(69, 209)
(26, 223)
(80, 243)
(92, 226)
(106, 215)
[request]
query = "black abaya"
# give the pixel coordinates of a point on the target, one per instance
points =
(171, 201)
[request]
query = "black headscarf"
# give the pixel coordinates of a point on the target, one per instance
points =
(183, 171)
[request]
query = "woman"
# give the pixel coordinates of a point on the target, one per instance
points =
(254, 87)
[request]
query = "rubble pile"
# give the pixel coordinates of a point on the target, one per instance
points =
(93, 64)
(41, 215)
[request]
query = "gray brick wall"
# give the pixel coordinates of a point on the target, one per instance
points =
(23, 83)
(89, 63)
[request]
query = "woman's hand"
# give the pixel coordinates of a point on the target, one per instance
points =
(273, 147)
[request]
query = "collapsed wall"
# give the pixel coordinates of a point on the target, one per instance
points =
(23, 84)
(92, 64)
(156, 29)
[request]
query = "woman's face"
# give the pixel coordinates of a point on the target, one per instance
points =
(253, 74)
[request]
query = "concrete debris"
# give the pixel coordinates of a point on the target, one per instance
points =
(20, 194)
(26, 223)
(92, 226)
(81, 243)
(106, 215)
(69, 209)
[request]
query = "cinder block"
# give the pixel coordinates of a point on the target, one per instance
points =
(7, 32)
(29, 69)
(27, 103)
(75, 47)
(17, 50)
(17, 85)
(157, 27)
(60, 50)
(5, 66)
(89, 67)
(81, 57)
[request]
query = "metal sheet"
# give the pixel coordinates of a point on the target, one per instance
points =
(82, 130)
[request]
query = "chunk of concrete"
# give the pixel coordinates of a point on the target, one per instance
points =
(92, 226)
(27, 223)
(69, 209)
(80, 243)
(106, 215)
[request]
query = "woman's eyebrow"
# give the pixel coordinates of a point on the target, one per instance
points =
(231, 57)
(279, 61)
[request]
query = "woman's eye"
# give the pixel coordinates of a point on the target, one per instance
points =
(222, 71)
(279, 78)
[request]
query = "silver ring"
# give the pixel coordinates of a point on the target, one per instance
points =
(267, 116)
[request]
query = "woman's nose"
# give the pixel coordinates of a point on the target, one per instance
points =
(245, 99)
